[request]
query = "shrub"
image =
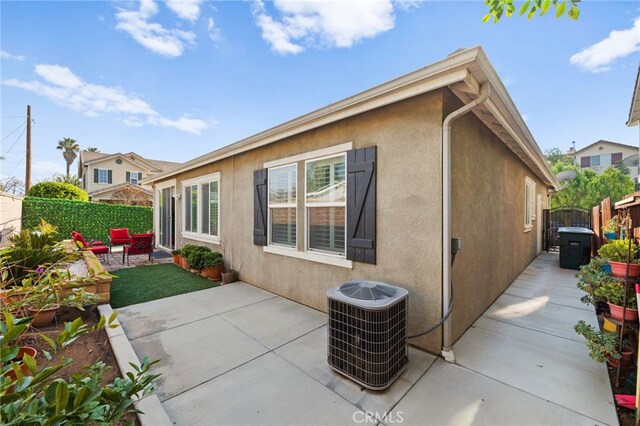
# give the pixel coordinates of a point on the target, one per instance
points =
(212, 259)
(63, 190)
(195, 255)
(92, 220)
(613, 292)
(602, 344)
(618, 251)
(590, 278)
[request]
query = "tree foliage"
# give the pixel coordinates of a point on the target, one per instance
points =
(69, 148)
(131, 196)
(63, 190)
(587, 189)
(92, 149)
(555, 155)
(73, 180)
(500, 8)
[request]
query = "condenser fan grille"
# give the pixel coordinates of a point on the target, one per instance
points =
(367, 290)
(367, 345)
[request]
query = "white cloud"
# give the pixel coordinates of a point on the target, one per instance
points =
(65, 88)
(307, 23)
(185, 9)
(7, 55)
(213, 30)
(408, 5)
(153, 36)
(618, 44)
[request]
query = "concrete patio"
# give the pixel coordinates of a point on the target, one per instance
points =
(238, 355)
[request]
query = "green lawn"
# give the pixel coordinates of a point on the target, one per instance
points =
(145, 283)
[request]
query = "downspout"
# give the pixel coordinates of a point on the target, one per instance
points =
(485, 90)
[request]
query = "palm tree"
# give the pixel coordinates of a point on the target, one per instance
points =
(69, 148)
(92, 149)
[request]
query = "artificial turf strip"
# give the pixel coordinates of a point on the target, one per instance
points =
(145, 283)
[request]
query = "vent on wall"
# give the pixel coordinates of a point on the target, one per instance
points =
(367, 338)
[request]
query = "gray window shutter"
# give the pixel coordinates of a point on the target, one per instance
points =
(361, 205)
(260, 207)
(128, 177)
(109, 175)
(139, 177)
(95, 175)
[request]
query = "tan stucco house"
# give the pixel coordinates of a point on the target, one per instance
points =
(374, 187)
(601, 155)
(102, 175)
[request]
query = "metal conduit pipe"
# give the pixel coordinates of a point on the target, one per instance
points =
(485, 90)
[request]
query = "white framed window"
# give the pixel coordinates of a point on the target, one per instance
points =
(282, 223)
(103, 176)
(134, 177)
(201, 215)
(595, 160)
(529, 203)
(325, 205)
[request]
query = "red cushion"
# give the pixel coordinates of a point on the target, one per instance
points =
(119, 233)
(99, 249)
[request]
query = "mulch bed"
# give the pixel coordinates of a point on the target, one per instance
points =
(85, 351)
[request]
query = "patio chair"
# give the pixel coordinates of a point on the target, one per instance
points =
(97, 247)
(119, 237)
(139, 244)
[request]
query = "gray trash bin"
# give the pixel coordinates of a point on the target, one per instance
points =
(575, 247)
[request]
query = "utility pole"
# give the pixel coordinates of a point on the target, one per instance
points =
(27, 179)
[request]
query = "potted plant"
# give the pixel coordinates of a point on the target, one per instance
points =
(590, 278)
(610, 229)
(195, 257)
(617, 253)
(602, 344)
(176, 257)
(614, 293)
(212, 265)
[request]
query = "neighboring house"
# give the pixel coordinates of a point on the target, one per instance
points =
(102, 175)
(360, 189)
(601, 155)
(634, 111)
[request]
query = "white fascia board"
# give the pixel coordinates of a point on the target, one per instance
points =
(505, 109)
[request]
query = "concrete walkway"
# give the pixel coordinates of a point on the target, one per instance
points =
(238, 355)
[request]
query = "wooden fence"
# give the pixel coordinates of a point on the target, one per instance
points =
(605, 211)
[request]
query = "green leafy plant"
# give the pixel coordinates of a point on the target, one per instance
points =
(92, 220)
(500, 8)
(62, 190)
(602, 344)
(590, 278)
(618, 251)
(614, 293)
(212, 259)
(32, 249)
(195, 255)
(611, 225)
(36, 397)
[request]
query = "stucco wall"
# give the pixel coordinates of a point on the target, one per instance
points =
(408, 136)
(119, 174)
(10, 216)
(488, 202)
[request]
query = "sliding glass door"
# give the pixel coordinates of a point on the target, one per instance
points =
(166, 217)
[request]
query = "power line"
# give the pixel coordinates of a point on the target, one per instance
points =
(14, 144)
(12, 132)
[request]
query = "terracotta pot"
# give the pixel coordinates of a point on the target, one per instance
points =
(626, 358)
(616, 313)
(619, 269)
(212, 272)
(184, 263)
(230, 276)
(32, 352)
(176, 259)
(42, 317)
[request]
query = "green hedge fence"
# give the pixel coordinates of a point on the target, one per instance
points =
(92, 220)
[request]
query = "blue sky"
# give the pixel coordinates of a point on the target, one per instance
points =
(174, 80)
